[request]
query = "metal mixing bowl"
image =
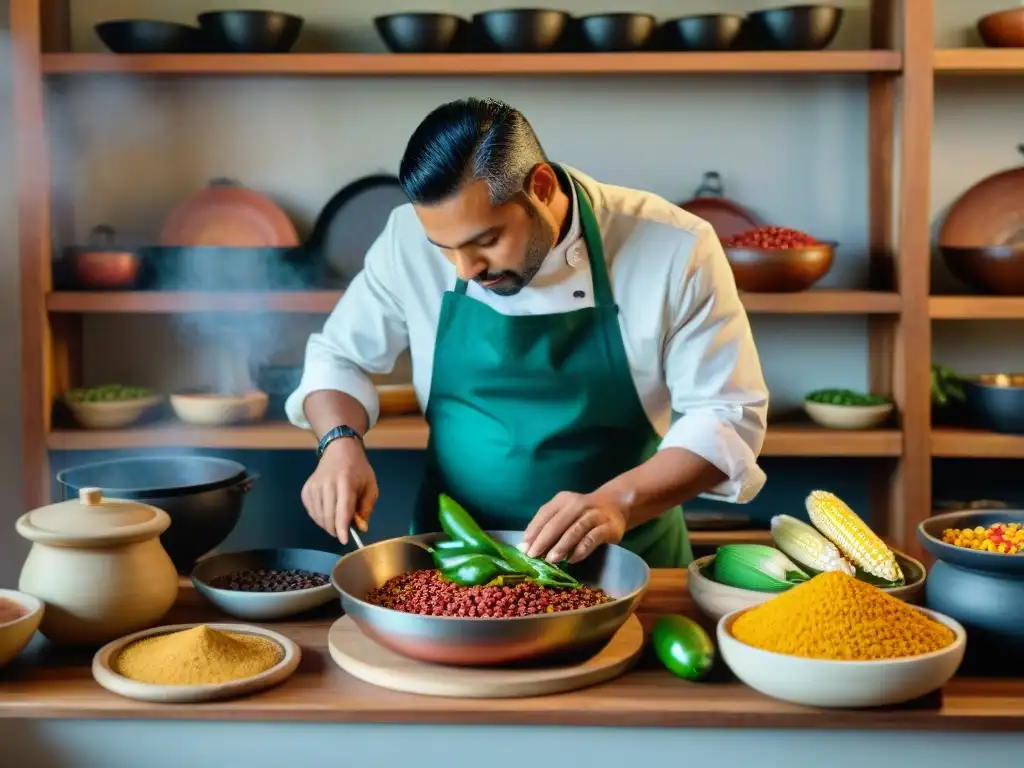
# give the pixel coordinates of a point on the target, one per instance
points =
(484, 642)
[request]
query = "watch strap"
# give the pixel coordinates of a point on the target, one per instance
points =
(337, 433)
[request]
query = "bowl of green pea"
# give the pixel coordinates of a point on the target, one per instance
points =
(111, 406)
(847, 409)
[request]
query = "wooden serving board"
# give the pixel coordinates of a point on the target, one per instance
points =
(361, 657)
(103, 673)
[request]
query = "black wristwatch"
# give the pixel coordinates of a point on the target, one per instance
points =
(336, 434)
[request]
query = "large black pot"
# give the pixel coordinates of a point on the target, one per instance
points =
(202, 495)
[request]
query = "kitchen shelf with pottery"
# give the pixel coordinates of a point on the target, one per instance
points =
(977, 415)
(502, 31)
(1002, 34)
(441, 615)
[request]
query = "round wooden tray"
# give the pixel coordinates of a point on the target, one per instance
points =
(361, 657)
(189, 694)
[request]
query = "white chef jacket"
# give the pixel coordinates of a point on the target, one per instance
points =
(686, 334)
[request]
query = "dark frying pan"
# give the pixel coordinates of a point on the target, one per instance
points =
(350, 223)
(709, 203)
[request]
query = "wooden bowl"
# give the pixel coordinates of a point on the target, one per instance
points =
(103, 673)
(996, 269)
(397, 399)
(1003, 29)
(214, 410)
(988, 214)
(779, 270)
(112, 414)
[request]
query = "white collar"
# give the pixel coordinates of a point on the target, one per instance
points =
(556, 264)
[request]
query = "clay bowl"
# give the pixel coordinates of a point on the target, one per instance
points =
(522, 30)
(1003, 29)
(995, 402)
(780, 270)
(710, 32)
(988, 214)
(793, 28)
(209, 409)
(617, 31)
(998, 269)
(245, 31)
(421, 32)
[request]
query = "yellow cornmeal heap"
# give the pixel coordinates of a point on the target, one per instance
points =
(835, 616)
(197, 656)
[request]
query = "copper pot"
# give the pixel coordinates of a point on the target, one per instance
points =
(102, 265)
(780, 270)
(1004, 29)
(726, 217)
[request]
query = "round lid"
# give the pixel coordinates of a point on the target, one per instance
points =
(91, 518)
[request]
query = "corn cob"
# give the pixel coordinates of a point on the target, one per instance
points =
(851, 535)
(806, 547)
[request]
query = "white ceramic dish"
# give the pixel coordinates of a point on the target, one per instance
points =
(112, 414)
(185, 694)
(847, 416)
(212, 410)
(846, 684)
(15, 635)
(716, 600)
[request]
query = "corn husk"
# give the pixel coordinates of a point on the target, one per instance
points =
(756, 567)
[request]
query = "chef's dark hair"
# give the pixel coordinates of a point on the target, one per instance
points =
(469, 139)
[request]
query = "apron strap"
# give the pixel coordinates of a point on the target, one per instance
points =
(595, 252)
(595, 249)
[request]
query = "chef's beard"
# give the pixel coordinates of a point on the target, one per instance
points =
(542, 235)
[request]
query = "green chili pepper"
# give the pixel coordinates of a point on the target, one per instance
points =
(452, 546)
(472, 570)
(459, 524)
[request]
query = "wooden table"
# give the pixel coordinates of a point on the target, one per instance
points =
(45, 684)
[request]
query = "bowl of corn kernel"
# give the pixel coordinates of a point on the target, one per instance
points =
(982, 540)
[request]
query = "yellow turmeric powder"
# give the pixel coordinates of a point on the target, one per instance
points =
(835, 616)
(197, 656)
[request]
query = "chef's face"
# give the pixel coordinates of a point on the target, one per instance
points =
(501, 247)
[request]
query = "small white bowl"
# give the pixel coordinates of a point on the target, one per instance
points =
(847, 416)
(112, 414)
(828, 683)
(716, 600)
(15, 635)
(213, 410)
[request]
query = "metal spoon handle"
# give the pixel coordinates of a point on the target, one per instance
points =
(355, 537)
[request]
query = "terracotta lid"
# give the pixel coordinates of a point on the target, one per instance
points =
(92, 519)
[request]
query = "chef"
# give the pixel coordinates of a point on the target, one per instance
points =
(551, 321)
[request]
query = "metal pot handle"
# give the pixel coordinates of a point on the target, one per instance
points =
(711, 185)
(245, 485)
(102, 235)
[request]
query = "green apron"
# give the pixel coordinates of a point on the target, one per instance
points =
(524, 407)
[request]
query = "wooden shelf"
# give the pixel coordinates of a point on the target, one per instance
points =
(410, 433)
(323, 302)
(950, 443)
(976, 307)
(979, 61)
(463, 65)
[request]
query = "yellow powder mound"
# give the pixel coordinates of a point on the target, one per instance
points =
(835, 616)
(197, 656)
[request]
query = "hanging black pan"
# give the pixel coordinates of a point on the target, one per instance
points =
(350, 222)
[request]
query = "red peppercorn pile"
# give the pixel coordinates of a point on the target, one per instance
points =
(427, 594)
(770, 237)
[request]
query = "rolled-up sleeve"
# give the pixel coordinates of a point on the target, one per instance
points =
(364, 335)
(714, 375)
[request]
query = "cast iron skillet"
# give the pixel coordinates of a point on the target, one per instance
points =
(345, 264)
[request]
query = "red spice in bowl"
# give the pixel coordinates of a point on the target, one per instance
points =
(770, 237)
(425, 593)
(11, 611)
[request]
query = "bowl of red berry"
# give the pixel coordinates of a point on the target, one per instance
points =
(777, 259)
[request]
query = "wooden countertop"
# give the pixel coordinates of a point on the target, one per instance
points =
(47, 684)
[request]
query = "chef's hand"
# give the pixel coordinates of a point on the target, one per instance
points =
(342, 490)
(573, 525)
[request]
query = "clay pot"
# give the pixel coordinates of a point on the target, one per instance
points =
(99, 566)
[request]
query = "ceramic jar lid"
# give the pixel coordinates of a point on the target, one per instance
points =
(91, 519)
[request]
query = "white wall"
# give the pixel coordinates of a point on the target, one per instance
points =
(792, 148)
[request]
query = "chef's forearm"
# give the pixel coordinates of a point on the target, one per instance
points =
(672, 476)
(326, 409)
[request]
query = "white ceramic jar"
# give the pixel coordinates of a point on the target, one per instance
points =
(99, 566)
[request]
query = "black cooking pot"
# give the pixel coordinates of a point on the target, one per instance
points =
(202, 495)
